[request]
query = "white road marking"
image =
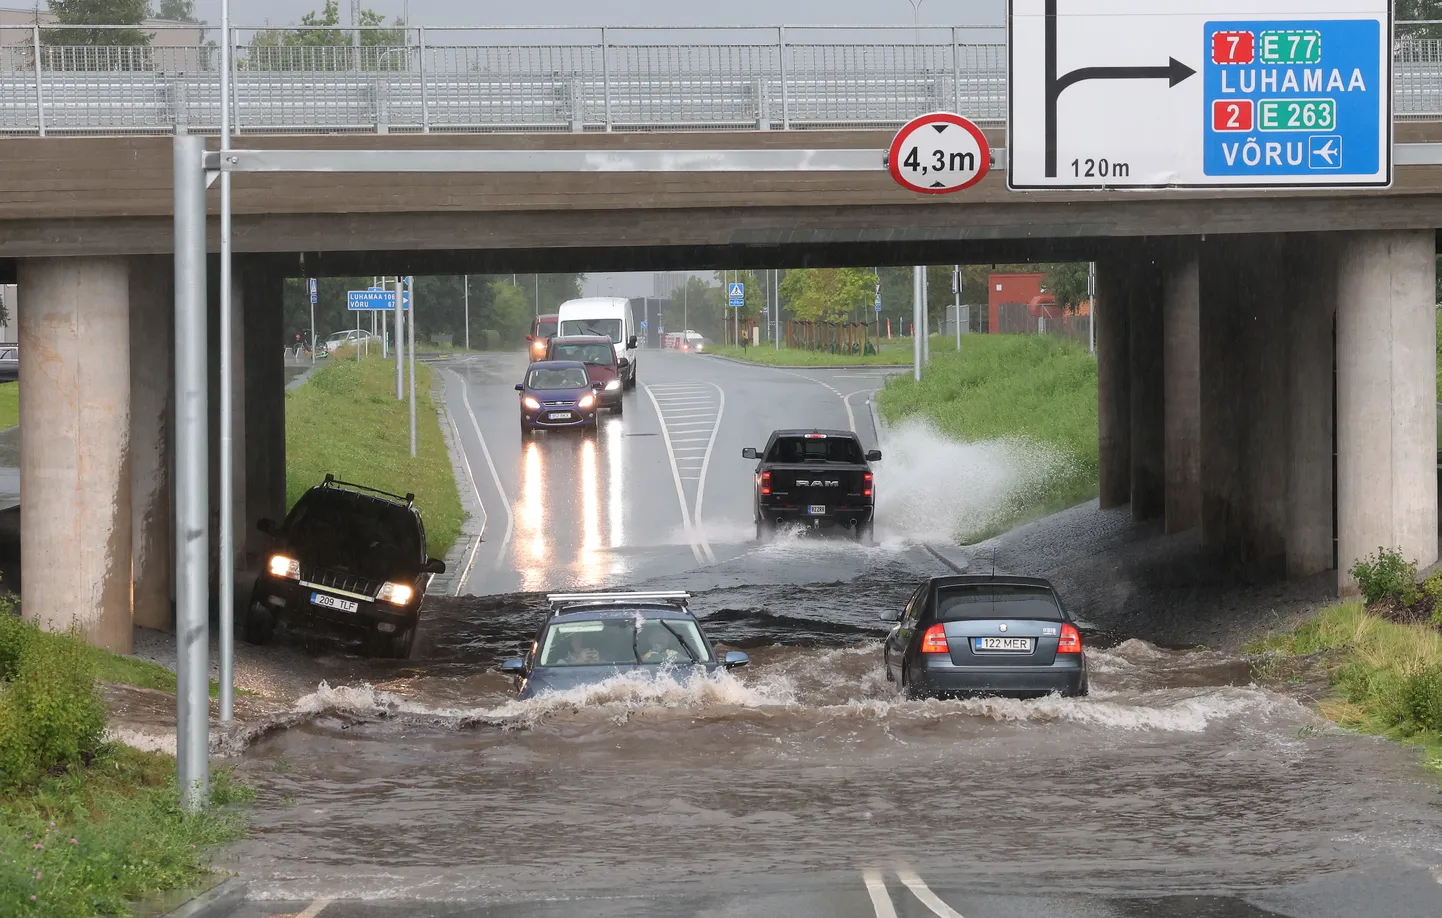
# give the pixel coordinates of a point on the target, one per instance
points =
(850, 417)
(676, 476)
(689, 405)
(495, 476)
(920, 890)
(880, 897)
(315, 908)
(485, 517)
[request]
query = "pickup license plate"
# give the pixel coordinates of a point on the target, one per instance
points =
(816, 509)
(559, 416)
(1003, 644)
(333, 602)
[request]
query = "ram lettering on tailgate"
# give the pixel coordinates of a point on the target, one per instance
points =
(818, 483)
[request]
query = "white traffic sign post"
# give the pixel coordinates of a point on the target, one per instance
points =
(1121, 94)
(939, 153)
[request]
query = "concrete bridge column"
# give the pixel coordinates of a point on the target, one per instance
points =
(1148, 383)
(265, 402)
(1222, 390)
(238, 411)
(75, 526)
(1182, 392)
(1266, 295)
(1113, 338)
(1311, 270)
(1386, 394)
(152, 391)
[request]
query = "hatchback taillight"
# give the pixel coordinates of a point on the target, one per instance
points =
(1070, 640)
(765, 482)
(934, 640)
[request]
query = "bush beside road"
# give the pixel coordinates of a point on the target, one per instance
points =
(345, 420)
(895, 352)
(1032, 388)
(9, 405)
(87, 827)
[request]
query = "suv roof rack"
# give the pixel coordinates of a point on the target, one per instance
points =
(331, 482)
(561, 601)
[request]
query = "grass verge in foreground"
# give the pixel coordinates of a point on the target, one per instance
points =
(891, 353)
(86, 827)
(9, 405)
(345, 420)
(1387, 676)
(1033, 387)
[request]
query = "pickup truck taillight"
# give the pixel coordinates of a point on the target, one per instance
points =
(765, 482)
(866, 488)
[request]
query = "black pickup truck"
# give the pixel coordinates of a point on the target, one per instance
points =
(820, 478)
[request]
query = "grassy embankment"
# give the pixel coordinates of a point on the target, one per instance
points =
(1386, 675)
(1033, 388)
(345, 420)
(9, 405)
(892, 352)
(88, 827)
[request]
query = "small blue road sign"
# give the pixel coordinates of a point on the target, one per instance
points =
(361, 300)
(313, 296)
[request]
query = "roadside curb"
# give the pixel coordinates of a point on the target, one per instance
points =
(473, 527)
(809, 366)
(220, 901)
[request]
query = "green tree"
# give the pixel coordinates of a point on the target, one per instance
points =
(177, 10)
(829, 294)
(1067, 283)
(335, 34)
(97, 12)
(1414, 10)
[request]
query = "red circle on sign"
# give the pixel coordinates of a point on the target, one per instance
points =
(893, 160)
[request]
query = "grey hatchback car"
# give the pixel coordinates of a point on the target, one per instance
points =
(985, 635)
(588, 638)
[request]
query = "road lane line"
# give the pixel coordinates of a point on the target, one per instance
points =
(315, 908)
(851, 418)
(880, 897)
(921, 891)
(485, 517)
(705, 464)
(495, 476)
(676, 477)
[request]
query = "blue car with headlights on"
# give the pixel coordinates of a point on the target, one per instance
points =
(558, 394)
(588, 638)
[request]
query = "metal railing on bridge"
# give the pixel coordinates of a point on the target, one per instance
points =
(436, 79)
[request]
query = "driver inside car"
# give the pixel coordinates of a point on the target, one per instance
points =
(578, 651)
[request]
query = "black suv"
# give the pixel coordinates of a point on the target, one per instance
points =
(346, 555)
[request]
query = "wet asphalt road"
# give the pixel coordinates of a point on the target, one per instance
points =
(803, 786)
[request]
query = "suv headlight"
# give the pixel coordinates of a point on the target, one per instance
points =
(397, 594)
(281, 566)
(531, 403)
(586, 401)
(613, 385)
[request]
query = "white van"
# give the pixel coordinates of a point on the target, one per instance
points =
(603, 315)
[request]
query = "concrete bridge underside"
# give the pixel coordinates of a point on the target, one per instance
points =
(1225, 392)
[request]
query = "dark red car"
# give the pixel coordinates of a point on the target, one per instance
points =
(598, 353)
(542, 329)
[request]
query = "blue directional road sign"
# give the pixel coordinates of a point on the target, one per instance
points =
(878, 302)
(313, 296)
(736, 295)
(1294, 100)
(361, 300)
(643, 326)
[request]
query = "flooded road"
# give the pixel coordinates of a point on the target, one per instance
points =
(803, 784)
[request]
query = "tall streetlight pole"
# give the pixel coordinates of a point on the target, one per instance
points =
(916, 19)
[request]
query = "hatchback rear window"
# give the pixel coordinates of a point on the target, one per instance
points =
(595, 354)
(968, 603)
(545, 328)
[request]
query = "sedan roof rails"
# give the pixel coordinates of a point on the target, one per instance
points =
(561, 601)
(331, 482)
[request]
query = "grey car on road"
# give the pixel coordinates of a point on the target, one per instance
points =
(588, 638)
(985, 635)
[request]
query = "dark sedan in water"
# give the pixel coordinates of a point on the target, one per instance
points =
(985, 635)
(588, 638)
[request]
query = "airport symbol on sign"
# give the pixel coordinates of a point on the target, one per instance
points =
(1117, 94)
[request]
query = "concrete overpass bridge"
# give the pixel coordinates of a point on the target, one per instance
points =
(1225, 392)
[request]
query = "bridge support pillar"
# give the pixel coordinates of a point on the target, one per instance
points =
(1113, 339)
(152, 389)
(1311, 307)
(1145, 353)
(1265, 297)
(1221, 381)
(75, 525)
(1182, 392)
(1386, 397)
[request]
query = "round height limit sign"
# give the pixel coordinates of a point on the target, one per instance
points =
(939, 153)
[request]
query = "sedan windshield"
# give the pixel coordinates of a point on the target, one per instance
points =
(611, 328)
(557, 378)
(623, 642)
(594, 354)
